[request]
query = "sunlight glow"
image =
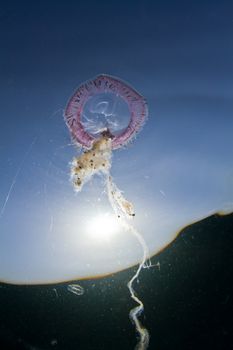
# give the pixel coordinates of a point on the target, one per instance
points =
(103, 227)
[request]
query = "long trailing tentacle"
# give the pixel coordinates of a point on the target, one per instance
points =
(95, 160)
(118, 202)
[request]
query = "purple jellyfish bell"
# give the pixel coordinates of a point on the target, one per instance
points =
(105, 106)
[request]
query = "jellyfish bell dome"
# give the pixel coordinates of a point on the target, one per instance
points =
(102, 104)
(105, 112)
(175, 173)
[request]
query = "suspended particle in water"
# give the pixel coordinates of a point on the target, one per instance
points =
(53, 342)
(55, 291)
(76, 289)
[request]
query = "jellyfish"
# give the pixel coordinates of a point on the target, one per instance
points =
(92, 116)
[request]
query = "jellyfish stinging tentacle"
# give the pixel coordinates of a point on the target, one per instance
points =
(144, 337)
(104, 114)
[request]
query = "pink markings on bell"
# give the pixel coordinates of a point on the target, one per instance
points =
(105, 84)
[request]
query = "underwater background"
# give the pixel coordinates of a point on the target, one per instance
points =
(188, 301)
(178, 54)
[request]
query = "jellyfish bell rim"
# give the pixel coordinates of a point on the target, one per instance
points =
(104, 83)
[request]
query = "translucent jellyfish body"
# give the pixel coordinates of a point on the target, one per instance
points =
(103, 114)
(105, 104)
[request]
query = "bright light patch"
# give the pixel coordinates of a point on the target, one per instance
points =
(103, 227)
